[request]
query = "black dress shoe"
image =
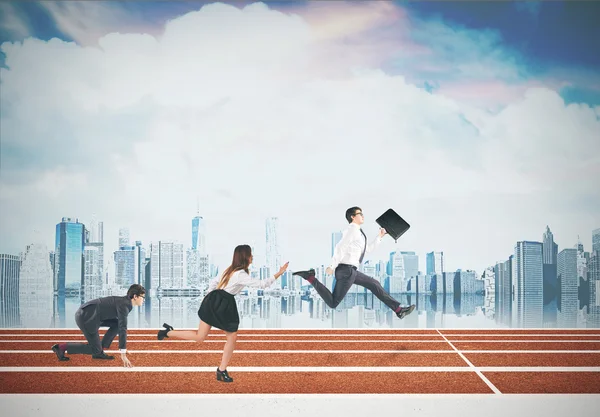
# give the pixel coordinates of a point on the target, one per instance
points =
(168, 327)
(60, 354)
(306, 274)
(102, 356)
(223, 376)
(405, 311)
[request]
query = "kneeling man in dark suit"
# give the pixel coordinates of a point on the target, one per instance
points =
(108, 312)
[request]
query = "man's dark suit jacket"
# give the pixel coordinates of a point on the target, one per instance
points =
(100, 310)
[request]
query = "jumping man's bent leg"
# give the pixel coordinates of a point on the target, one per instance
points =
(378, 291)
(343, 277)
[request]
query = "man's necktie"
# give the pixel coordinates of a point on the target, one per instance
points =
(362, 255)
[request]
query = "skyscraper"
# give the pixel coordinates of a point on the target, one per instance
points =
(567, 276)
(199, 234)
(10, 266)
(527, 282)
(596, 240)
(549, 272)
(92, 274)
(273, 250)
(71, 237)
(435, 263)
(100, 233)
(503, 289)
(166, 265)
(197, 259)
(129, 265)
(123, 237)
(36, 293)
(594, 284)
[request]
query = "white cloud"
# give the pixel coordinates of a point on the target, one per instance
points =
(254, 123)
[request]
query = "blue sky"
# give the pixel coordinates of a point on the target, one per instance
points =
(548, 38)
(139, 109)
(546, 35)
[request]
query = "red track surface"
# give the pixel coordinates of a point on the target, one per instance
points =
(378, 351)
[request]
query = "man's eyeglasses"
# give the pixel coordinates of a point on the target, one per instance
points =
(359, 213)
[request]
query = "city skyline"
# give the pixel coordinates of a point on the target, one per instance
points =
(478, 134)
(91, 237)
(539, 284)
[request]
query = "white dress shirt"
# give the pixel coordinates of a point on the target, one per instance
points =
(240, 280)
(350, 247)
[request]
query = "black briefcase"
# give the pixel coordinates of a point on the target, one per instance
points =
(395, 225)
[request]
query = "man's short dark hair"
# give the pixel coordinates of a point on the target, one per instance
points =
(136, 289)
(350, 212)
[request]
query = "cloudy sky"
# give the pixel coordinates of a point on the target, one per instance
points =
(478, 122)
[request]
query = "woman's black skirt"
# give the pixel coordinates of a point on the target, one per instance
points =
(219, 309)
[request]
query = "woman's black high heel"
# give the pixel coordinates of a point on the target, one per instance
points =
(164, 333)
(223, 376)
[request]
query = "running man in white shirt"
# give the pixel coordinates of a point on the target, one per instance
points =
(219, 308)
(347, 257)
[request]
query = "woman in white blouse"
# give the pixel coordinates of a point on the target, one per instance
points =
(219, 308)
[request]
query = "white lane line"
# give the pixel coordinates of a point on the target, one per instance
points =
(223, 335)
(447, 351)
(522, 334)
(316, 336)
(239, 341)
(241, 334)
(57, 340)
(445, 329)
(299, 369)
(521, 341)
(473, 367)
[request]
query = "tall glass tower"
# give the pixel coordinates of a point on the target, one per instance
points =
(199, 234)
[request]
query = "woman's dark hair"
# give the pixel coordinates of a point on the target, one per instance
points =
(241, 260)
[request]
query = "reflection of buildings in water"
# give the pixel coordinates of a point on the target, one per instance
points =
(550, 311)
(291, 305)
(568, 312)
(262, 311)
(273, 317)
(369, 318)
(357, 311)
(176, 311)
(529, 312)
(59, 314)
(582, 317)
(339, 317)
(36, 309)
(466, 304)
(10, 312)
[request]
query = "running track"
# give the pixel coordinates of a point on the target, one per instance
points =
(309, 361)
